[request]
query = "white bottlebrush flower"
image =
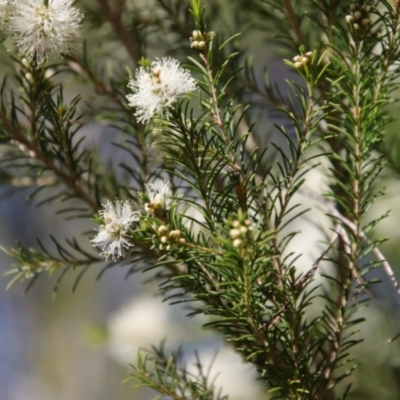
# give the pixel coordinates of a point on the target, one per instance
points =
(159, 195)
(157, 88)
(42, 31)
(112, 235)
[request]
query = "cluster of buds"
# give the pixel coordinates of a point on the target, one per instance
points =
(241, 233)
(199, 40)
(167, 239)
(358, 17)
(302, 59)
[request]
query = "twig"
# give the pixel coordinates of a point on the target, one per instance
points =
(315, 266)
(115, 19)
(378, 254)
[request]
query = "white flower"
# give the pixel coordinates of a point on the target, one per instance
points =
(226, 370)
(112, 235)
(158, 88)
(42, 31)
(159, 194)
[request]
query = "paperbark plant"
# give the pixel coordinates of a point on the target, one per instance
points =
(202, 202)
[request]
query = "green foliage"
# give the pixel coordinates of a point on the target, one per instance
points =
(30, 263)
(166, 374)
(219, 231)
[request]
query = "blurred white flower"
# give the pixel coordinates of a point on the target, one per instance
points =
(146, 321)
(159, 194)
(112, 235)
(42, 31)
(228, 372)
(156, 89)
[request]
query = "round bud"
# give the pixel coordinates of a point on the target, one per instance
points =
(236, 224)
(162, 229)
(234, 233)
(237, 242)
(164, 239)
(197, 35)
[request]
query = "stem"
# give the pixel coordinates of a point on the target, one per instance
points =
(69, 181)
(240, 188)
(294, 21)
(99, 86)
(289, 183)
(248, 289)
(115, 19)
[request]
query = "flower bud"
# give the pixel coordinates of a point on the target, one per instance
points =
(234, 233)
(162, 229)
(237, 242)
(175, 234)
(236, 224)
(243, 230)
(29, 78)
(196, 35)
(210, 35)
(164, 239)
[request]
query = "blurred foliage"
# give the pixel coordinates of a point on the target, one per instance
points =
(227, 172)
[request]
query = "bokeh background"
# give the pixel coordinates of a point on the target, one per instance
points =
(78, 345)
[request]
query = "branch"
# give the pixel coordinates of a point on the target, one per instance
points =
(115, 19)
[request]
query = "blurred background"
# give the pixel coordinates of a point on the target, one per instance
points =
(78, 345)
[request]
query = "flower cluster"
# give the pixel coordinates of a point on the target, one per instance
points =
(359, 16)
(41, 30)
(112, 236)
(241, 232)
(302, 59)
(115, 235)
(158, 198)
(167, 239)
(199, 40)
(157, 87)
